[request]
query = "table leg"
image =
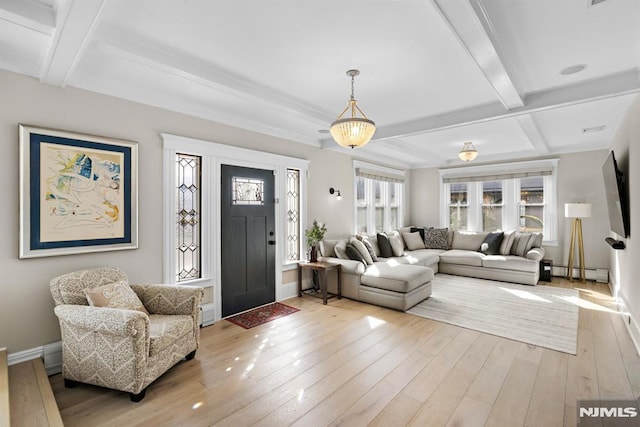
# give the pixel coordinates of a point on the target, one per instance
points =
(339, 271)
(323, 280)
(299, 281)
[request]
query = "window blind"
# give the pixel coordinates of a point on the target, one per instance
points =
(495, 177)
(379, 175)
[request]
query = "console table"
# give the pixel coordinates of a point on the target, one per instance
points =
(322, 268)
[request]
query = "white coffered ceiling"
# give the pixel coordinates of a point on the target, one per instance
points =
(434, 73)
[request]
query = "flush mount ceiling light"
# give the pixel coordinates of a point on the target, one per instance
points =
(468, 152)
(352, 131)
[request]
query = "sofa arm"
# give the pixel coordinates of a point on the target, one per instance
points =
(348, 265)
(536, 254)
(112, 321)
(170, 299)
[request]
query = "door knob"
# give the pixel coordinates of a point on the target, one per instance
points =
(272, 242)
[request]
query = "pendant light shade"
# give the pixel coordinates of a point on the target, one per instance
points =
(468, 152)
(352, 131)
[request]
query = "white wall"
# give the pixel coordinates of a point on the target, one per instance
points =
(579, 180)
(26, 307)
(626, 263)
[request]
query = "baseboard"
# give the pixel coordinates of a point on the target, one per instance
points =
(53, 357)
(207, 314)
(289, 290)
(25, 355)
(630, 320)
(50, 353)
(598, 274)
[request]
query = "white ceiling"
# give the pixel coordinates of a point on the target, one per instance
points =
(434, 73)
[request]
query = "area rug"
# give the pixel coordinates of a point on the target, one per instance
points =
(258, 316)
(544, 316)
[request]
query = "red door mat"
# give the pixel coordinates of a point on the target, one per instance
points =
(260, 315)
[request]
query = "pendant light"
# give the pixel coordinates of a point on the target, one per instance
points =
(468, 152)
(352, 131)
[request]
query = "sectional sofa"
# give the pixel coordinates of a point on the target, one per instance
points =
(404, 279)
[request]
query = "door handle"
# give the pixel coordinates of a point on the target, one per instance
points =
(271, 242)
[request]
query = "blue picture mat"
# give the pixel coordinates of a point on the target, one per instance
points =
(35, 195)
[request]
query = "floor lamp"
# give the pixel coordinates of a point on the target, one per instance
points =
(577, 211)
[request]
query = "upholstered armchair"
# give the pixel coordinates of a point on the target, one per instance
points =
(118, 348)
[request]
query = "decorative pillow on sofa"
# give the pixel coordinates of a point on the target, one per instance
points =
(413, 240)
(397, 244)
(537, 243)
(362, 249)
(507, 242)
(522, 243)
(115, 295)
(420, 230)
(384, 245)
(491, 243)
(327, 248)
(341, 249)
(371, 245)
(436, 238)
(354, 254)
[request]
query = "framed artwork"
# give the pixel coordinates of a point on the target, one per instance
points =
(78, 193)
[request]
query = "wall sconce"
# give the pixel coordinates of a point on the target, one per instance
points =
(336, 192)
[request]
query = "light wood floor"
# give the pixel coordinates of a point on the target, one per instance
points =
(355, 364)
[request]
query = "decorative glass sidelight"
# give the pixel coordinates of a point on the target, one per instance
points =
(247, 191)
(293, 215)
(188, 214)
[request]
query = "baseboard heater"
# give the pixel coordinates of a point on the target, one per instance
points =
(600, 275)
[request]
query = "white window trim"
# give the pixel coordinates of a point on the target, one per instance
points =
(510, 193)
(214, 155)
(357, 164)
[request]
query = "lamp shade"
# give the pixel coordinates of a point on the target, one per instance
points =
(577, 210)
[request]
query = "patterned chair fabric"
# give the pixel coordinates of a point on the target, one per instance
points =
(123, 349)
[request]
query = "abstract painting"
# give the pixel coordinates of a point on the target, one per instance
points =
(78, 193)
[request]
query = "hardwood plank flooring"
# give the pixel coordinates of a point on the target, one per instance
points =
(354, 364)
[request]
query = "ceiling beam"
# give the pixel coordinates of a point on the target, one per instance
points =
(470, 23)
(75, 25)
(29, 14)
(531, 129)
(592, 90)
(174, 63)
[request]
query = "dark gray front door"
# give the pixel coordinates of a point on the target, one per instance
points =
(248, 238)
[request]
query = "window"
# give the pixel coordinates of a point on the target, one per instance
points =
(515, 196)
(188, 213)
(531, 207)
(458, 206)
(379, 198)
(293, 215)
(491, 205)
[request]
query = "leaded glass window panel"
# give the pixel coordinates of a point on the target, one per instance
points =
(293, 214)
(247, 191)
(188, 214)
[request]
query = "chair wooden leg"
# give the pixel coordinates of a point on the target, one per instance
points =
(190, 355)
(137, 397)
(70, 383)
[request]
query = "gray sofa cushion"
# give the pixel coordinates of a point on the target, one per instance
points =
(397, 244)
(468, 241)
(413, 241)
(362, 249)
(397, 278)
(510, 262)
(507, 242)
(327, 248)
(522, 243)
(354, 254)
(340, 249)
(424, 257)
(371, 241)
(464, 257)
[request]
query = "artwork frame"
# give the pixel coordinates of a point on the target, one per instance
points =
(78, 193)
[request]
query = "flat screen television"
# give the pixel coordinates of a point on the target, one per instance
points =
(614, 186)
